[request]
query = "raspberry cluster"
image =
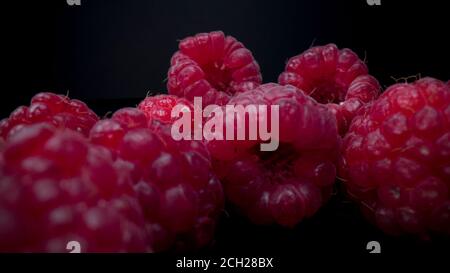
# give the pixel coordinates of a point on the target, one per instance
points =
(124, 184)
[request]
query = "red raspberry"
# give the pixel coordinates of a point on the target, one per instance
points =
(157, 109)
(180, 195)
(396, 158)
(288, 184)
(56, 109)
(334, 77)
(212, 66)
(55, 187)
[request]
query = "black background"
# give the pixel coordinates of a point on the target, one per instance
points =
(111, 53)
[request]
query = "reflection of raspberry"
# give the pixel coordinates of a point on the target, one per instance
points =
(55, 187)
(180, 195)
(212, 66)
(56, 109)
(396, 158)
(288, 184)
(334, 77)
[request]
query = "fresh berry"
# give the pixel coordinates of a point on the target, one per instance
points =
(56, 109)
(180, 195)
(157, 109)
(291, 183)
(334, 77)
(56, 187)
(396, 159)
(212, 66)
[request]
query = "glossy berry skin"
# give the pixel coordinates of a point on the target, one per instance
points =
(180, 195)
(396, 159)
(55, 187)
(332, 76)
(291, 183)
(56, 109)
(212, 66)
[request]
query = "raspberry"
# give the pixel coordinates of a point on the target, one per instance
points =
(55, 187)
(157, 109)
(212, 66)
(180, 195)
(396, 159)
(288, 184)
(56, 109)
(334, 77)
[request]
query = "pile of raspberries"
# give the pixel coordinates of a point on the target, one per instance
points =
(123, 184)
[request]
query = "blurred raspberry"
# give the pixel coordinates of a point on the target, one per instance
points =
(55, 187)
